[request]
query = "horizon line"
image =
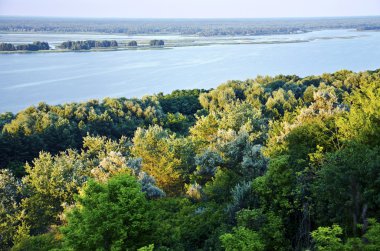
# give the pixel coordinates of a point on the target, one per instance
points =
(189, 18)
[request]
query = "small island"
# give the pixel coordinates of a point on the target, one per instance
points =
(88, 44)
(81, 45)
(132, 43)
(35, 46)
(157, 43)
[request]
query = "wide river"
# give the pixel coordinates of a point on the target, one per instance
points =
(29, 78)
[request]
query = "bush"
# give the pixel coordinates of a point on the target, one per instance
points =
(42, 242)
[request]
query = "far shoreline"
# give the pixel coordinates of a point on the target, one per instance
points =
(171, 44)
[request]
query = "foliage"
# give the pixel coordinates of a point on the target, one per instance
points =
(242, 239)
(43, 242)
(51, 182)
(35, 46)
(147, 248)
(154, 146)
(327, 238)
(108, 216)
(88, 44)
(261, 164)
(132, 43)
(9, 208)
(372, 241)
(268, 225)
(204, 27)
(57, 128)
(348, 177)
(156, 42)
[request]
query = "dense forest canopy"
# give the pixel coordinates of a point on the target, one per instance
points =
(201, 27)
(271, 163)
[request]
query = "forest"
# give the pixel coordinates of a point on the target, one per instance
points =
(271, 163)
(198, 27)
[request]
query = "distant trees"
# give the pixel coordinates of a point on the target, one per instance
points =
(7, 47)
(185, 26)
(156, 42)
(87, 44)
(106, 43)
(73, 45)
(35, 46)
(132, 43)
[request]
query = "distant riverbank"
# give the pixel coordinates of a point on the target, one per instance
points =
(173, 41)
(28, 78)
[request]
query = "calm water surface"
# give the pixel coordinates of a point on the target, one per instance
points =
(27, 79)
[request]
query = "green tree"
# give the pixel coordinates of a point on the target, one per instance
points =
(147, 248)
(51, 182)
(9, 208)
(242, 239)
(364, 114)
(346, 187)
(110, 216)
(44, 242)
(154, 146)
(371, 237)
(267, 224)
(327, 238)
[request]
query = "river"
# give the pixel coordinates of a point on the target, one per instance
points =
(29, 78)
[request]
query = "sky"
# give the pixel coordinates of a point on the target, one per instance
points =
(189, 8)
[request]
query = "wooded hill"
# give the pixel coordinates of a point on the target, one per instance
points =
(271, 163)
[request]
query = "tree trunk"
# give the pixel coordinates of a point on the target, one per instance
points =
(365, 222)
(355, 201)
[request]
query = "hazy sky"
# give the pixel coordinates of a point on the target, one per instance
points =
(190, 8)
